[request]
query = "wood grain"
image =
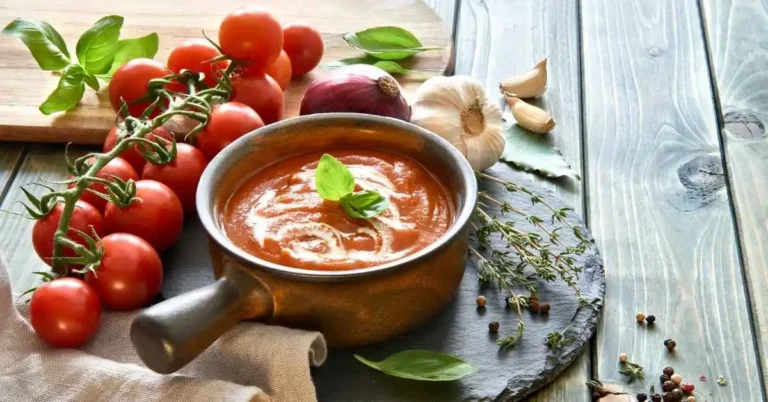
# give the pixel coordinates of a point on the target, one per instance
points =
(657, 202)
(10, 155)
(446, 10)
(25, 86)
(499, 38)
(737, 31)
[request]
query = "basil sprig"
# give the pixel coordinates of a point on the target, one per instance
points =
(99, 53)
(335, 182)
(422, 365)
(387, 43)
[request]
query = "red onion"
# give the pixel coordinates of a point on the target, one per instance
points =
(357, 89)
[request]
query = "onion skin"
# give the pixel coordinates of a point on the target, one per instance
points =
(356, 91)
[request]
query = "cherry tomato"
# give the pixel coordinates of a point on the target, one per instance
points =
(194, 55)
(280, 71)
(261, 93)
(228, 122)
(304, 47)
(130, 274)
(65, 312)
(84, 216)
(131, 82)
(133, 154)
(117, 167)
(251, 34)
(156, 215)
(182, 175)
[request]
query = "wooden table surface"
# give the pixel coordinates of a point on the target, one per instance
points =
(661, 104)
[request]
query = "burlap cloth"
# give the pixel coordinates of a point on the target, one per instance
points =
(253, 362)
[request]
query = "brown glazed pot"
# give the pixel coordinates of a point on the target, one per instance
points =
(352, 307)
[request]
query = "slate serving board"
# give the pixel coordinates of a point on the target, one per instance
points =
(461, 329)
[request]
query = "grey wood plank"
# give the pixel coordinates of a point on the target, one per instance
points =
(41, 163)
(499, 38)
(10, 155)
(657, 201)
(445, 9)
(737, 31)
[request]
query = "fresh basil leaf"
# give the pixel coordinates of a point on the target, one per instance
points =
(69, 91)
(91, 81)
(97, 46)
(387, 43)
(422, 365)
(134, 48)
(350, 61)
(531, 152)
(364, 204)
(332, 179)
(391, 67)
(43, 41)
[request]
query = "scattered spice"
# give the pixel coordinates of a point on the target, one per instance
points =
(533, 298)
(668, 386)
(663, 378)
(676, 394)
(623, 357)
(687, 387)
(642, 397)
(640, 317)
(633, 371)
(721, 381)
(533, 307)
(493, 326)
(676, 378)
(650, 319)
(668, 371)
(544, 308)
(655, 398)
(703, 378)
(481, 301)
(598, 390)
(670, 344)
(691, 399)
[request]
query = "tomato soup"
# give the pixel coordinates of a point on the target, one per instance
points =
(278, 216)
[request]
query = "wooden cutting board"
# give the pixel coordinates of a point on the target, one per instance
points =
(24, 86)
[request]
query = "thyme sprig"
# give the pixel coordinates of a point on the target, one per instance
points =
(556, 339)
(632, 371)
(530, 256)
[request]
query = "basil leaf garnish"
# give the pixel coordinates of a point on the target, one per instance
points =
(43, 41)
(332, 179)
(422, 365)
(364, 204)
(387, 43)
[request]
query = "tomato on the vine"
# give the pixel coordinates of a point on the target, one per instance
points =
(304, 47)
(131, 83)
(261, 93)
(117, 167)
(182, 175)
(251, 34)
(84, 216)
(195, 55)
(228, 122)
(155, 215)
(133, 154)
(280, 71)
(130, 274)
(65, 312)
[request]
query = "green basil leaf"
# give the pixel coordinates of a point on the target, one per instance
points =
(332, 179)
(391, 67)
(69, 91)
(91, 81)
(129, 49)
(387, 43)
(422, 365)
(45, 43)
(97, 46)
(364, 204)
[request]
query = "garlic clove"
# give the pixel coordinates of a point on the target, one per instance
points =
(528, 116)
(529, 84)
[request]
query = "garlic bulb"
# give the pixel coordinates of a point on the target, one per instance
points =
(531, 117)
(456, 109)
(529, 84)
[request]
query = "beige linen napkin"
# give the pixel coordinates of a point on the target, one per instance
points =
(252, 362)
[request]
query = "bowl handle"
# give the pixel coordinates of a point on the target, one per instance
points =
(172, 333)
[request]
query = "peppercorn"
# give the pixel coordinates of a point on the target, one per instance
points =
(596, 396)
(533, 298)
(691, 399)
(533, 307)
(677, 394)
(655, 398)
(642, 397)
(663, 378)
(544, 308)
(640, 317)
(493, 326)
(623, 357)
(687, 387)
(668, 386)
(666, 396)
(481, 301)
(650, 319)
(670, 344)
(668, 370)
(676, 378)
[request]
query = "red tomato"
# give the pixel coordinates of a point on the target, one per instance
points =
(156, 216)
(251, 34)
(130, 274)
(194, 55)
(182, 175)
(261, 93)
(228, 122)
(117, 167)
(84, 216)
(65, 312)
(133, 154)
(304, 47)
(280, 71)
(131, 82)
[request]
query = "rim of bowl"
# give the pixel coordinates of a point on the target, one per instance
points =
(220, 161)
